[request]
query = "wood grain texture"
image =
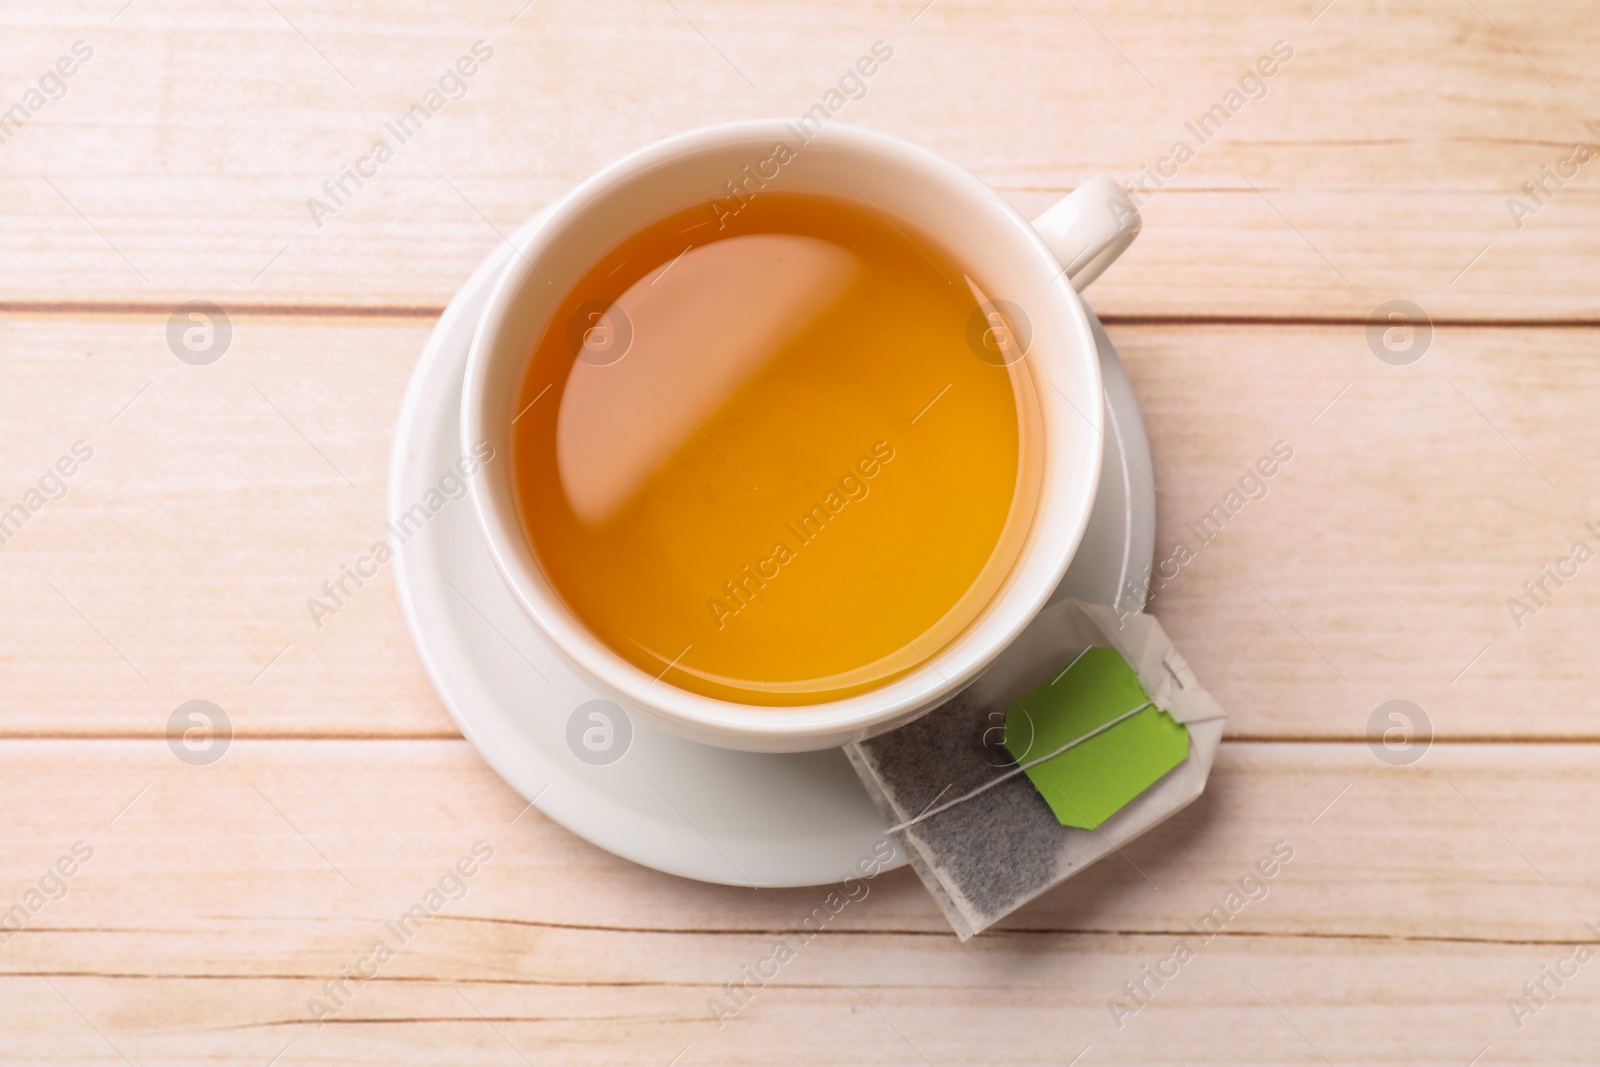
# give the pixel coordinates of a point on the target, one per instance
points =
(217, 501)
(1383, 558)
(1377, 162)
(1375, 564)
(221, 899)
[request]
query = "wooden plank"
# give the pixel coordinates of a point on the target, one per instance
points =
(1428, 884)
(180, 161)
(1382, 558)
(219, 900)
(218, 499)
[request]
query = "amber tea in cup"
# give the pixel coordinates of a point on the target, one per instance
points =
(761, 456)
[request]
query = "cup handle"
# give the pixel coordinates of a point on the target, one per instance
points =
(1089, 228)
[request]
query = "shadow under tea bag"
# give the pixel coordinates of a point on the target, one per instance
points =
(1087, 731)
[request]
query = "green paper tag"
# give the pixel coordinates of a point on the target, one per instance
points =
(1096, 778)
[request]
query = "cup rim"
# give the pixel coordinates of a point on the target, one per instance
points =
(1066, 496)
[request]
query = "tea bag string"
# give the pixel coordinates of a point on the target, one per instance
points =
(929, 813)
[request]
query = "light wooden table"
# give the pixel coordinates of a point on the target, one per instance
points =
(219, 900)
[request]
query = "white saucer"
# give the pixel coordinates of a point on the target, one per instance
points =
(687, 809)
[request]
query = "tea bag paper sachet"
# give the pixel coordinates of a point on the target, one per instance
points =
(980, 792)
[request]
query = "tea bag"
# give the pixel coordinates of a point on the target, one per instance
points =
(977, 791)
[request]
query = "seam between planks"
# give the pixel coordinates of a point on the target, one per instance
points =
(1464, 740)
(432, 311)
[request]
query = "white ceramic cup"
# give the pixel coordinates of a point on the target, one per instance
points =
(1036, 266)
